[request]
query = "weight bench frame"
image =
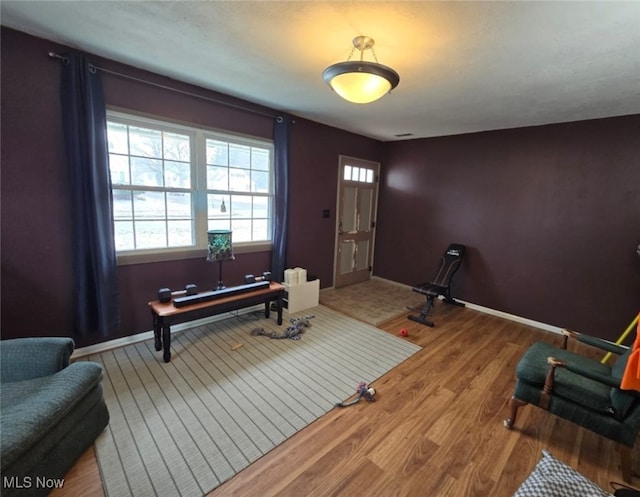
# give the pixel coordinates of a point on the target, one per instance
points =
(440, 284)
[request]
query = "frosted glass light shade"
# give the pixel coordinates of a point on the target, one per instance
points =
(361, 82)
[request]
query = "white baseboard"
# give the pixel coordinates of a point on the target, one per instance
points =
(494, 312)
(148, 335)
(512, 317)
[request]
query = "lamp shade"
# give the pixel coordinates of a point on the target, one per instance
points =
(220, 246)
(360, 82)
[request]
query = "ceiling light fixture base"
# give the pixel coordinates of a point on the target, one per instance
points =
(363, 43)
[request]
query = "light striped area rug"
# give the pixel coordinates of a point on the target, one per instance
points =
(184, 427)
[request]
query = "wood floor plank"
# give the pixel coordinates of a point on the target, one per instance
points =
(435, 428)
(405, 440)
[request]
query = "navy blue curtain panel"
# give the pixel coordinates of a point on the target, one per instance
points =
(281, 208)
(95, 265)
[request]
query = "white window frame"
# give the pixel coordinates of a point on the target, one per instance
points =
(199, 190)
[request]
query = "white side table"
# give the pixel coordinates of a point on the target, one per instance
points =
(301, 296)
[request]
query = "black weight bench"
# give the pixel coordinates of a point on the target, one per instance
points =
(440, 284)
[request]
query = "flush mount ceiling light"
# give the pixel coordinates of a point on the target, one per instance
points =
(361, 82)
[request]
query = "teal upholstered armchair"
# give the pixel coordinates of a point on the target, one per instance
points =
(581, 390)
(51, 412)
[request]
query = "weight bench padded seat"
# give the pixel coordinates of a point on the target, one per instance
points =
(440, 284)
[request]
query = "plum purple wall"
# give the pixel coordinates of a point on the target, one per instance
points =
(550, 215)
(36, 262)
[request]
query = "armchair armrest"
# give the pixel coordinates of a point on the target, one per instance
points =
(26, 358)
(593, 342)
(592, 375)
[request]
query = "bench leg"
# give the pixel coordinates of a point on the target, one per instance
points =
(279, 307)
(166, 341)
(422, 318)
(157, 331)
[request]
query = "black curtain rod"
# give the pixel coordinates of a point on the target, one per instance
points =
(65, 60)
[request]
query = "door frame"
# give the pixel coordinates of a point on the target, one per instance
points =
(376, 166)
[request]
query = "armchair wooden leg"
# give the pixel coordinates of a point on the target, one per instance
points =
(625, 462)
(514, 405)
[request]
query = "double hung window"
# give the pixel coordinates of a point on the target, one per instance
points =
(172, 183)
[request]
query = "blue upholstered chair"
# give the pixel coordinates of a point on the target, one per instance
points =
(581, 390)
(51, 412)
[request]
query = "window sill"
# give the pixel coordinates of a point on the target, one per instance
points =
(131, 258)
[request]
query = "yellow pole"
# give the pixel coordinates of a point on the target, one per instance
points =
(622, 338)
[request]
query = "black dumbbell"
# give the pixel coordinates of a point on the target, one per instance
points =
(250, 278)
(165, 294)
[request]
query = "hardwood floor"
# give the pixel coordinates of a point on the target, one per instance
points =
(435, 428)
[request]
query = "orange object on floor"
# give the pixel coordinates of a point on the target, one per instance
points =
(631, 377)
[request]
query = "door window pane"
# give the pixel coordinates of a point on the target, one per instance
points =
(362, 255)
(364, 208)
(349, 209)
(347, 248)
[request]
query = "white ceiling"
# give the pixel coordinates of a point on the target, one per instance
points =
(464, 66)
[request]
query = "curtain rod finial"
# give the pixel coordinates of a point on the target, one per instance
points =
(54, 55)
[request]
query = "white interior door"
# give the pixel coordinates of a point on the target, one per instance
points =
(357, 205)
